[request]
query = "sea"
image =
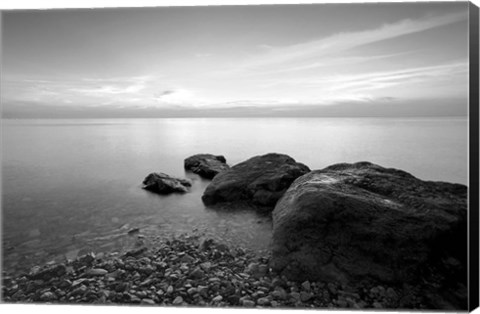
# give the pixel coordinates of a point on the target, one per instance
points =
(70, 187)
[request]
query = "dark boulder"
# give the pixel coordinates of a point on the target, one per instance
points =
(354, 222)
(206, 165)
(260, 180)
(162, 183)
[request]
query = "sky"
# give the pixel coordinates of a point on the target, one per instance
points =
(402, 59)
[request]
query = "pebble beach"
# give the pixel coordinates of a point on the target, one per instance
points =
(190, 271)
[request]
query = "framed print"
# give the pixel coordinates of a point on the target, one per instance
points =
(257, 156)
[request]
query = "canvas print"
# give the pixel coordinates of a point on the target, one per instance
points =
(252, 156)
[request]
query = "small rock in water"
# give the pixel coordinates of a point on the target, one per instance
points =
(87, 259)
(206, 244)
(218, 298)
(136, 252)
(34, 233)
(133, 231)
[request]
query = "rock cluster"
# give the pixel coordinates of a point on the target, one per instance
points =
(206, 165)
(354, 222)
(186, 271)
(162, 183)
(349, 236)
(260, 181)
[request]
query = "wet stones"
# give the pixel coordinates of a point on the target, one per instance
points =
(260, 181)
(96, 272)
(47, 272)
(361, 222)
(206, 165)
(162, 183)
(185, 275)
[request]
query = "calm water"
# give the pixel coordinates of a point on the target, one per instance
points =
(71, 186)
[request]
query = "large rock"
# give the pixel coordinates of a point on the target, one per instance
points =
(206, 165)
(354, 222)
(260, 180)
(162, 183)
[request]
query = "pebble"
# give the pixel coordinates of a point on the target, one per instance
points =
(342, 303)
(197, 273)
(96, 272)
(203, 291)
(248, 303)
(48, 296)
(263, 301)
(279, 293)
(331, 288)
(305, 296)
(306, 286)
(206, 266)
(178, 300)
(177, 272)
(295, 295)
(187, 259)
(133, 230)
(377, 305)
(147, 301)
(141, 294)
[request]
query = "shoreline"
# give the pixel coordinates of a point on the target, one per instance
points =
(188, 271)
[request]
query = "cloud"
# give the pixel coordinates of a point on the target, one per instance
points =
(333, 61)
(344, 41)
(379, 80)
(179, 96)
(79, 91)
(131, 85)
(165, 93)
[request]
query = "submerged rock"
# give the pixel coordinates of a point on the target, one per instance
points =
(260, 180)
(162, 183)
(47, 272)
(206, 165)
(350, 222)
